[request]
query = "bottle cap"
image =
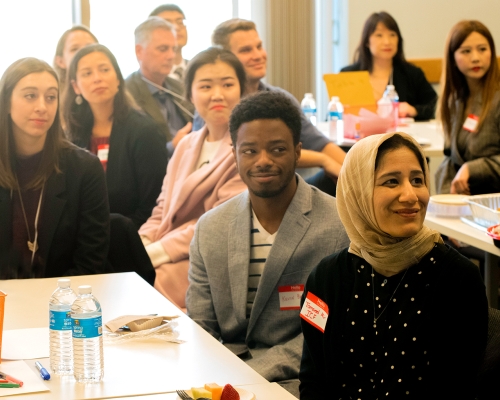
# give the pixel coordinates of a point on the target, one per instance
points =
(335, 98)
(309, 95)
(64, 283)
(390, 87)
(85, 289)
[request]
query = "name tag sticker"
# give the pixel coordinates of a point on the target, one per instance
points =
(290, 297)
(102, 152)
(471, 122)
(315, 311)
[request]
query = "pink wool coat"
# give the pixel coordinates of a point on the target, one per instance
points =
(185, 196)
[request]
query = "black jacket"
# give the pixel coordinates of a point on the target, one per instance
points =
(455, 326)
(137, 164)
(73, 234)
(412, 87)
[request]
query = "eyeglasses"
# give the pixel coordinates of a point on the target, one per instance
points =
(179, 22)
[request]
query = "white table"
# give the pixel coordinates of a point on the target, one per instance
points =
(430, 134)
(455, 228)
(136, 368)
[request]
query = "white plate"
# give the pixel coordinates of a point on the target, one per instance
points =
(423, 141)
(450, 199)
(244, 394)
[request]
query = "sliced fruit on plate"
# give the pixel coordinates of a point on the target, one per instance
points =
(201, 392)
(229, 393)
(215, 389)
(243, 393)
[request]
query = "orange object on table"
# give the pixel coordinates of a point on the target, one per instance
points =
(2, 306)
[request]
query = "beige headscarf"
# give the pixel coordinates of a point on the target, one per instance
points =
(355, 205)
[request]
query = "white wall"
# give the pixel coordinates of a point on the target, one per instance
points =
(424, 24)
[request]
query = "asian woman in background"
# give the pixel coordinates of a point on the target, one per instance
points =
(380, 52)
(54, 215)
(202, 172)
(470, 112)
(99, 117)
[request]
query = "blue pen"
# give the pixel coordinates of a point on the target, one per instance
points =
(43, 372)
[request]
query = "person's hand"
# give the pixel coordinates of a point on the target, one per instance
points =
(406, 110)
(460, 184)
(331, 168)
(181, 133)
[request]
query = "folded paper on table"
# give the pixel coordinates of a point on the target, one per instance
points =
(25, 344)
(138, 322)
(32, 383)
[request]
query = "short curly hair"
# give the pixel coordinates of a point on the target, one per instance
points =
(266, 105)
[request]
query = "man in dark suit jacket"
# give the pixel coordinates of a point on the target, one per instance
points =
(250, 257)
(158, 95)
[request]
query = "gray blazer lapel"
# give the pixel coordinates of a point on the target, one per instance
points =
(54, 201)
(239, 257)
(291, 231)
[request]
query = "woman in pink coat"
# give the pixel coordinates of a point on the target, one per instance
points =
(201, 174)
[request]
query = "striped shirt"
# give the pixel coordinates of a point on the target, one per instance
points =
(261, 243)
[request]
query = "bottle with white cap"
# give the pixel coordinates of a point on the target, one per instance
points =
(335, 120)
(391, 95)
(61, 346)
(86, 318)
(308, 106)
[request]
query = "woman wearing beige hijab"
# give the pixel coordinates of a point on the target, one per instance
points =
(398, 314)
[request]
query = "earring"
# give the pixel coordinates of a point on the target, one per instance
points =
(78, 100)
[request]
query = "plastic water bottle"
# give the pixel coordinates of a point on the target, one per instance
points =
(392, 95)
(86, 318)
(61, 346)
(335, 120)
(308, 106)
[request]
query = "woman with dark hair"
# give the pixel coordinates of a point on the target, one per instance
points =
(201, 174)
(130, 145)
(389, 323)
(380, 52)
(54, 215)
(470, 112)
(70, 42)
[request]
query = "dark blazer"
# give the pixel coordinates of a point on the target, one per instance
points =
(141, 94)
(454, 326)
(137, 164)
(73, 232)
(412, 87)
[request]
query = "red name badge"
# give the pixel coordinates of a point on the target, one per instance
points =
(102, 152)
(290, 297)
(315, 311)
(471, 122)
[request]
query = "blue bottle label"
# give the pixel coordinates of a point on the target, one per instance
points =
(87, 328)
(60, 320)
(335, 114)
(309, 110)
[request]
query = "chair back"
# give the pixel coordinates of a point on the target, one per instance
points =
(126, 251)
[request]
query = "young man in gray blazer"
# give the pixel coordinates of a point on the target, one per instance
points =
(154, 91)
(251, 256)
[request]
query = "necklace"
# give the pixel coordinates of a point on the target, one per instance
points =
(375, 318)
(32, 245)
